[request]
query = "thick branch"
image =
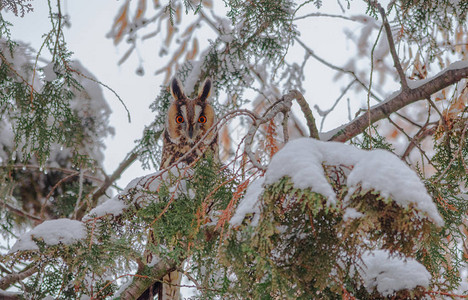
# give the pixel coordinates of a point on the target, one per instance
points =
(141, 283)
(10, 279)
(9, 295)
(382, 110)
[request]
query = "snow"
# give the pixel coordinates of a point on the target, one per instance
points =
(291, 161)
(49, 72)
(380, 170)
(461, 64)
(249, 204)
(351, 213)
(141, 190)
(388, 274)
(113, 206)
(193, 77)
(52, 232)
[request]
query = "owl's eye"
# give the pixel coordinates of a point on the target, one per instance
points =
(202, 119)
(179, 119)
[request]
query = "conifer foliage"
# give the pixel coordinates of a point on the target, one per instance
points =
(374, 209)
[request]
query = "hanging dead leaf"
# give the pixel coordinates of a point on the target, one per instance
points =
(207, 3)
(271, 143)
(120, 23)
(189, 29)
(141, 8)
(394, 134)
(191, 55)
(170, 33)
(226, 142)
(178, 14)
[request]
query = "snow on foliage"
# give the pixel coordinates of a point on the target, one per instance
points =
(52, 232)
(249, 204)
(388, 275)
(380, 170)
(113, 206)
(142, 189)
(88, 103)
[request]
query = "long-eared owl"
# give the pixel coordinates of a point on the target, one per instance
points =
(187, 122)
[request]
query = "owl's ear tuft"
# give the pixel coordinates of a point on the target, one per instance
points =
(205, 90)
(176, 89)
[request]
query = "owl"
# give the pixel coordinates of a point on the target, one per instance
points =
(187, 121)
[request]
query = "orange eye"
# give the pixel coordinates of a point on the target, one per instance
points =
(202, 119)
(179, 119)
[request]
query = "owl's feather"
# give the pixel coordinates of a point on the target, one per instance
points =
(186, 122)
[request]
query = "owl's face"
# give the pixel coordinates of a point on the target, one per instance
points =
(189, 119)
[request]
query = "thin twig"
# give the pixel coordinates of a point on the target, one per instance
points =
(391, 44)
(21, 213)
(336, 68)
(107, 183)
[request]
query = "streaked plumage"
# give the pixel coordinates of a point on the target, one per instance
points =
(186, 123)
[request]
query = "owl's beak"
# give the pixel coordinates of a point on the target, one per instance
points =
(190, 132)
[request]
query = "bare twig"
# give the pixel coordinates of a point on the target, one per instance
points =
(324, 113)
(391, 44)
(418, 137)
(21, 213)
(107, 183)
(63, 170)
(281, 106)
(336, 68)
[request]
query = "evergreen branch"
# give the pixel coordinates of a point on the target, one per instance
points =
(457, 155)
(16, 72)
(382, 110)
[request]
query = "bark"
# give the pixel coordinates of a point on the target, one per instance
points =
(405, 97)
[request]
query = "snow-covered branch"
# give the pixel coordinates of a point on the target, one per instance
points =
(418, 90)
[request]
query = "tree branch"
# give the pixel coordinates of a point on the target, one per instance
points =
(382, 110)
(107, 183)
(10, 279)
(283, 105)
(141, 283)
(391, 44)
